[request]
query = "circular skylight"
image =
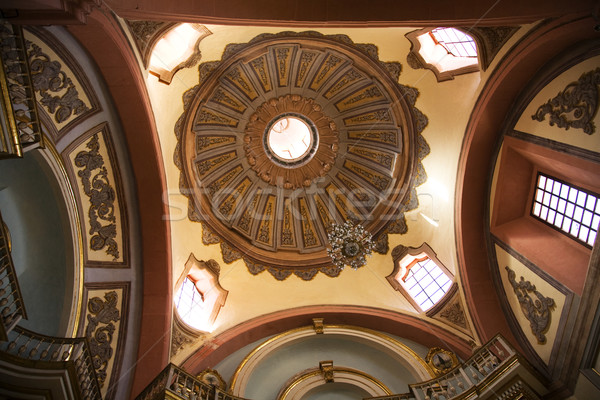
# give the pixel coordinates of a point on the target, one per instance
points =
(289, 138)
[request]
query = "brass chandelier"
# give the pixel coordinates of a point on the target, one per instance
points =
(350, 244)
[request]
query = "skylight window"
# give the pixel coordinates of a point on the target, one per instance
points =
(445, 51)
(456, 43)
(567, 208)
(190, 303)
(174, 49)
(199, 296)
(421, 277)
(426, 283)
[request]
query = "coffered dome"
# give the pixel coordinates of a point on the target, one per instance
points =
(271, 199)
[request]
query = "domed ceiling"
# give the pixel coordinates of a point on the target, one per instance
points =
(358, 160)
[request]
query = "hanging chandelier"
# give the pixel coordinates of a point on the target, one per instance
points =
(350, 244)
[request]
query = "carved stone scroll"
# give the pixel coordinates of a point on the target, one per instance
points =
(537, 311)
(574, 107)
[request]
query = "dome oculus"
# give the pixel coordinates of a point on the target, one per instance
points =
(290, 139)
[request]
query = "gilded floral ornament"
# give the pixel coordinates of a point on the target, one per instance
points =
(350, 244)
(103, 314)
(102, 196)
(574, 107)
(538, 311)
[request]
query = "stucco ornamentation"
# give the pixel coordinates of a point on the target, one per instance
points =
(575, 106)
(455, 315)
(179, 340)
(100, 330)
(102, 196)
(57, 91)
(537, 311)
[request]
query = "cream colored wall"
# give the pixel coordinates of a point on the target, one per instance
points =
(573, 136)
(546, 289)
(251, 296)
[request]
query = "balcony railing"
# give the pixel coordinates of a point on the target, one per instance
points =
(175, 382)
(12, 308)
(466, 381)
(32, 349)
(467, 378)
(20, 125)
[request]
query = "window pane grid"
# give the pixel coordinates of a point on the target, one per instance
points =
(457, 43)
(572, 210)
(426, 283)
(188, 299)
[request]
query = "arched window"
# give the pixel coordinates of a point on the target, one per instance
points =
(420, 276)
(445, 51)
(173, 51)
(199, 297)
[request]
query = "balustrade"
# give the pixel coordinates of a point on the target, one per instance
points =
(463, 381)
(465, 378)
(19, 110)
(30, 346)
(12, 308)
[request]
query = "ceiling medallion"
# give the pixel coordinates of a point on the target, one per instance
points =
(269, 195)
(350, 244)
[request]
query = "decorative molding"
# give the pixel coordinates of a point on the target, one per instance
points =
(517, 389)
(414, 62)
(146, 34)
(318, 325)
(102, 197)
(208, 236)
(62, 88)
(229, 253)
(537, 312)
(299, 385)
(94, 173)
(452, 311)
(58, 93)
(455, 314)
(97, 293)
(103, 314)
(490, 40)
(181, 335)
(575, 106)
(561, 147)
(441, 360)
(212, 377)
(326, 368)
(65, 12)
(379, 341)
